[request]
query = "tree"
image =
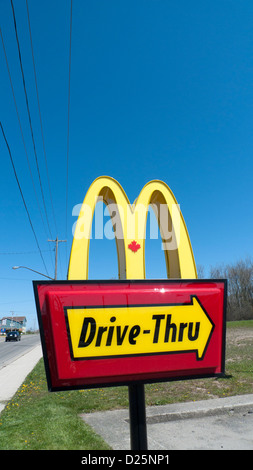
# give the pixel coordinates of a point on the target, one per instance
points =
(240, 288)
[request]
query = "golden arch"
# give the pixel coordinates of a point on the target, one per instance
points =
(130, 225)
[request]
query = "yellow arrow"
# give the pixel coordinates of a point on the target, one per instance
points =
(99, 332)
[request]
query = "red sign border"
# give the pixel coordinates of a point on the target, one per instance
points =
(101, 384)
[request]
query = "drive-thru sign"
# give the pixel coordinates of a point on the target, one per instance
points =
(98, 333)
(132, 331)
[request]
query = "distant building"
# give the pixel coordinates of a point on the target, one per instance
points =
(13, 323)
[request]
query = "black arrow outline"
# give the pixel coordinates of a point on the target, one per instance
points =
(111, 356)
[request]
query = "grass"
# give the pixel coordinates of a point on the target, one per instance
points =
(35, 419)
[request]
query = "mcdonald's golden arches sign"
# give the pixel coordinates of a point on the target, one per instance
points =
(130, 222)
(98, 333)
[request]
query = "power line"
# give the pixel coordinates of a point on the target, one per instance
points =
(41, 127)
(21, 130)
(21, 252)
(22, 135)
(23, 199)
(29, 115)
(67, 174)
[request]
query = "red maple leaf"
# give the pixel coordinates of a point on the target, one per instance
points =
(134, 246)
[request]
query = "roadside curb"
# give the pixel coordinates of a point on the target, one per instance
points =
(197, 409)
(113, 425)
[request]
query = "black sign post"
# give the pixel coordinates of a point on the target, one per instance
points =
(137, 414)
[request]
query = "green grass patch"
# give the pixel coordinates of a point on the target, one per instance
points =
(240, 324)
(36, 419)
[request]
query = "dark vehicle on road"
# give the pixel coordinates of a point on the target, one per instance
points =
(13, 336)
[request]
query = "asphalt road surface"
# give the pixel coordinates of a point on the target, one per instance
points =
(12, 350)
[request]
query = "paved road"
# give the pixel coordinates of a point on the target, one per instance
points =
(10, 351)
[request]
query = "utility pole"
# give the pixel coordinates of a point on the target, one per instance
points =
(56, 241)
(11, 319)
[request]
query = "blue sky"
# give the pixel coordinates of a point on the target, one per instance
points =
(160, 89)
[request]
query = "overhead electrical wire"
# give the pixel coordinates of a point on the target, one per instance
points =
(23, 139)
(21, 130)
(22, 196)
(67, 172)
(29, 114)
(21, 252)
(41, 126)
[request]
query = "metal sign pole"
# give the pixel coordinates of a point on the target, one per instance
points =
(137, 413)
